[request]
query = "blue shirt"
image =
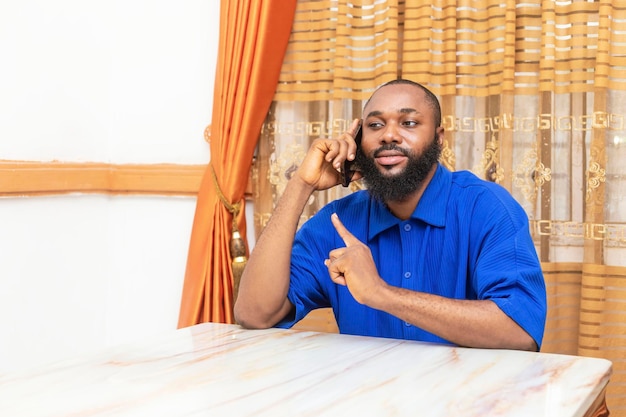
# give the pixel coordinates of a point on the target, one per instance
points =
(467, 239)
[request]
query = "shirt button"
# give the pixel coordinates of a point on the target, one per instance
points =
(407, 324)
(407, 275)
(407, 227)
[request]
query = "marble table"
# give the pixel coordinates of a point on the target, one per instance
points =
(223, 370)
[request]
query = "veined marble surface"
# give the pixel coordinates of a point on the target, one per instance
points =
(222, 370)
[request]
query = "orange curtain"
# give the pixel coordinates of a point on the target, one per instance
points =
(253, 40)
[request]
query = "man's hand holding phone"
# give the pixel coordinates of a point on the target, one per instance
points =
(325, 162)
(348, 168)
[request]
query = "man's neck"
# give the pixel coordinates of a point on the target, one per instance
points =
(403, 209)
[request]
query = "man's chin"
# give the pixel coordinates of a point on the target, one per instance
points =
(391, 171)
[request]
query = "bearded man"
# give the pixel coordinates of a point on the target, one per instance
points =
(422, 254)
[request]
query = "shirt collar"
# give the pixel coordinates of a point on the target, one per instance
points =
(430, 209)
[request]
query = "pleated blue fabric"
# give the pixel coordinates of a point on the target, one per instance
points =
(467, 239)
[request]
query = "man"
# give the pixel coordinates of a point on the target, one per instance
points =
(422, 254)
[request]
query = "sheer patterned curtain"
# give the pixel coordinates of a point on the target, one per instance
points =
(534, 98)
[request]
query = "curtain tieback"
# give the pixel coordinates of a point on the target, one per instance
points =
(237, 245)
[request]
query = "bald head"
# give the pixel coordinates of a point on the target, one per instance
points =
(429, 97)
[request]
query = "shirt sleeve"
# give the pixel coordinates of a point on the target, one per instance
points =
(508, 271)
(309, 275)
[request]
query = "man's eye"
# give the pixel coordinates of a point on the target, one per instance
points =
(410, 123)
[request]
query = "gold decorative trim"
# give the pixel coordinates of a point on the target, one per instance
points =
(448, 158)
(284, 164)
(612, 233)
(489, 167)
(305, 130)
(531, 174)
(596, 175)
(548, 121)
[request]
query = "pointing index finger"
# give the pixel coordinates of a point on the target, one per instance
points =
(348, 238)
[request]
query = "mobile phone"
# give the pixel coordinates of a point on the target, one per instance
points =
(348, 168)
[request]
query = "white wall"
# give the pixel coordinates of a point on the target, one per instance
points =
(122, 81)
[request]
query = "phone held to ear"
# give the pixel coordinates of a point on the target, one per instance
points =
(349, 168)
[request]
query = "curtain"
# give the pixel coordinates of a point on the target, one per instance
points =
(534, 98)
(253, 39)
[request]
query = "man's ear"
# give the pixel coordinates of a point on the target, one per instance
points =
(439, 132)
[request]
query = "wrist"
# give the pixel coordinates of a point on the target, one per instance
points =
(383, 297)
(300, 186)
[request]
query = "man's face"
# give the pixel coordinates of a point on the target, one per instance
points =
(400, 143)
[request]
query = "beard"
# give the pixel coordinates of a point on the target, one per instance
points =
(400, 186)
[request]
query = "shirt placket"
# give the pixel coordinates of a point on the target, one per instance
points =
(409, 248)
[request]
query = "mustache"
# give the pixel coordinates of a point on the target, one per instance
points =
(391, 147)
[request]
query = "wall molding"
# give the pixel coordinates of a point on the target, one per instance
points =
(23, 178)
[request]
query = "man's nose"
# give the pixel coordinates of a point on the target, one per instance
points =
(391, 134)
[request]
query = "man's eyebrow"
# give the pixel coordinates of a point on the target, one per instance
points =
(406, 110)
(374, 113)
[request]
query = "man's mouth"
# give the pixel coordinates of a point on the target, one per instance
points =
(390, 157)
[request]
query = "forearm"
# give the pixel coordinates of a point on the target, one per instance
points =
(262, 298)
(472, 323)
